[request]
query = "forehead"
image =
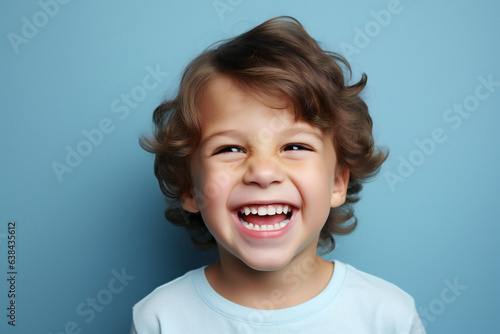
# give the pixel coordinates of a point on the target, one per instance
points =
(227, 109)
(225, 88)
(224, 99)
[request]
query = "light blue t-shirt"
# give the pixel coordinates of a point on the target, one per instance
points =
(352, 302)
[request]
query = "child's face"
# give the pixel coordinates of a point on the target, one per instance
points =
(255, 158)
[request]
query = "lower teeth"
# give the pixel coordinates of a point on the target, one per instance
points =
(274, 227)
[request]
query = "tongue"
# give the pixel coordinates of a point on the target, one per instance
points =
(264, 220)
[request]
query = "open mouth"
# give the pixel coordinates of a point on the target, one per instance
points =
(265, 217)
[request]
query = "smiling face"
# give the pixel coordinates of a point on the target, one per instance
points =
(264, 183)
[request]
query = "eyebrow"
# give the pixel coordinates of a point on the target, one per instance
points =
(300, 130)
(222, 133)
(235, 134)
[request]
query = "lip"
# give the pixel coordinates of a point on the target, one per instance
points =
(264, 202)
(264, 234)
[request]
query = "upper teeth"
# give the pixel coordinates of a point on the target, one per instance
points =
(263, 210)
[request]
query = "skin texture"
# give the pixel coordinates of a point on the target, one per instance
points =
(249, 154)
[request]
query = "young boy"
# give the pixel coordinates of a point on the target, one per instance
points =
(265, 149)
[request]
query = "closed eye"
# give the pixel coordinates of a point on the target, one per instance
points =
(297, 147)
(229, 149)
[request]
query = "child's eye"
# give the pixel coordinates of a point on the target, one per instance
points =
(297, 147)
(229, 149)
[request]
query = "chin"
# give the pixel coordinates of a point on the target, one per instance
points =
(266, 262)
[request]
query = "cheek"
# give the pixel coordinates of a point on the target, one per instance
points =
(317, 188)
(200, 180)
(210, 183)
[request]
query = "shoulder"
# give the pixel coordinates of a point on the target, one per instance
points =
(149, 312)
(358, 281)
(379, 302)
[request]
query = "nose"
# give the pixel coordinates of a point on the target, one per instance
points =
(263, 172)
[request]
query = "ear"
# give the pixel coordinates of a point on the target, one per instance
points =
(188, 202)
(340, 187)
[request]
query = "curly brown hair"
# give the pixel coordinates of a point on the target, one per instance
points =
(276, 58)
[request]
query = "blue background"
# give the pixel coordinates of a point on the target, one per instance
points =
(435, 226)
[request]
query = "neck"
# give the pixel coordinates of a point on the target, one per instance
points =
(304, 277)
